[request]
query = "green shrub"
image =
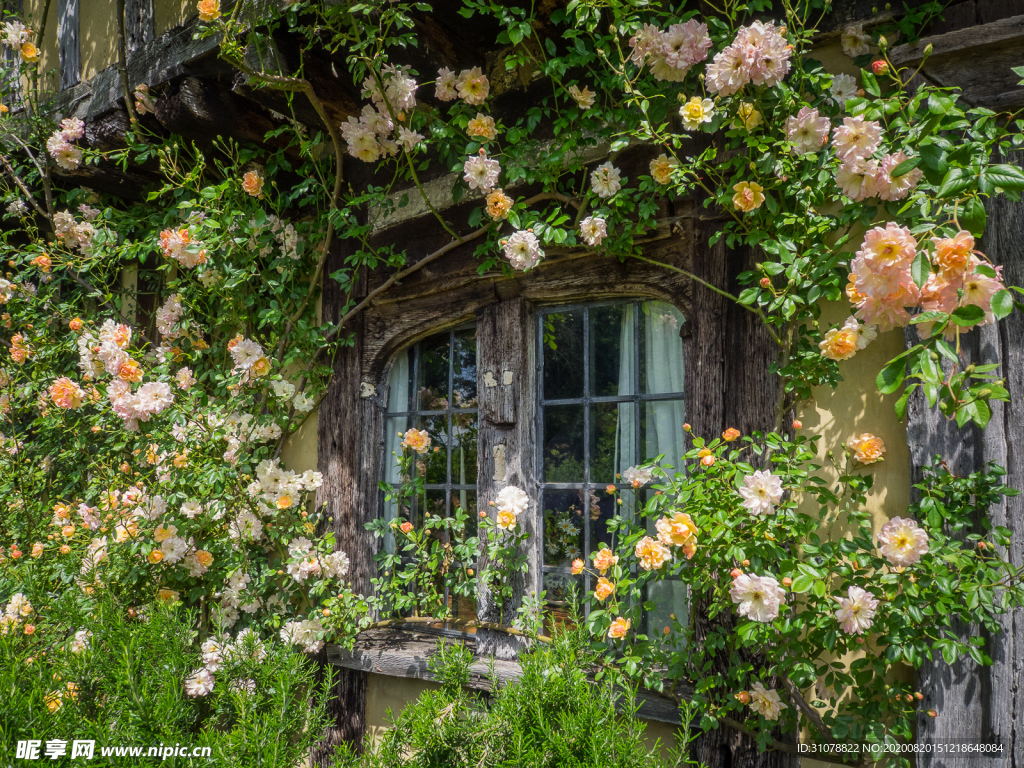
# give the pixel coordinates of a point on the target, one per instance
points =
(554, 716)
(124, 685)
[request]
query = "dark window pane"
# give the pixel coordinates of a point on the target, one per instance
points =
(602, 509)
(433, 373)
(612, 440)
(612, 358)
(564, 518)
(661, 430)
(464, 370)
(433, 465)
(563, 354)
(465, 500)
(661, 348)
(558, 588)
(563, 444)
(464, 435)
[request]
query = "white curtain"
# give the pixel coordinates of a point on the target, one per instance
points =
(625, 423)
(398, 400)
(664, 370)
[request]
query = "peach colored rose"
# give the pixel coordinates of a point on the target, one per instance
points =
(498, 204)
(75, 324)
(605, 559)
(749, 196)
(209, 10)
(204, 558)
(604, 588)
(867, 449)
(730, 434)
(406, 527)
(652, 554)
(577, 567)
(619, 628)
(417, 439)
(155, 556)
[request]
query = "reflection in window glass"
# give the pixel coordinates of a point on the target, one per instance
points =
(433, 387)
(611, 397)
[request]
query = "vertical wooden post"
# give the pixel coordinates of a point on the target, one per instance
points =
(727, 353)
(67, 41)
(506, 446)
(974, 702)
(350, 444)
(138, 22)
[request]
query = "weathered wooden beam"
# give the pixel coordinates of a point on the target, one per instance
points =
(1001, 31)
(408, 654)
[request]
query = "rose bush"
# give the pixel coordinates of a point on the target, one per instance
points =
(142, 443)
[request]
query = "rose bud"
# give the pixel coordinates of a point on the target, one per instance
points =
(735, 573)
(766, 282)
(797, 424)
(932, 713)
(879, 67)
(746, 563)
(787, 581)
(742, 697)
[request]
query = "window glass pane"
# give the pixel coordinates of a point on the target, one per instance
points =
(433, 465)
(564, 519)
(465, 499)
(464, 437)
(464, 369)
(433, 504)
(671, 598)
(661, 348)
(612, 354)
(433, 373)
(563, 354)
(661, 430)
(602, 509)
(558, 588)
(612, 440)
(563, 444)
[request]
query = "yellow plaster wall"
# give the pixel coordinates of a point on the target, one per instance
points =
(171, 13)
(97, 36)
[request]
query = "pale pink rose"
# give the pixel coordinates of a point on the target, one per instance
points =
(766, 702)
(758, 597)
(901, 542)
(761, 491)
(807, 130)
(856, 138)
(886, 186)
(857, 179)
(856, 611)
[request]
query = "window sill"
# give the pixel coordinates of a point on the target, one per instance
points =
(406, 653)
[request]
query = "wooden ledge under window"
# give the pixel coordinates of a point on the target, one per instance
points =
(406, 652)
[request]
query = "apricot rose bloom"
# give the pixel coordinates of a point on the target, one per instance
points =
(498, 204)
(749, 196)
(619, 628)
(417, 439)
(604, 588)
(867, 449)
(252, 183)
(577, 567)
(506, 520)
(953, 255)
(66, 394)
(652, 554)
(730, 434)
(676, 531)
(604, 559)
(406, 526)
(209, 10)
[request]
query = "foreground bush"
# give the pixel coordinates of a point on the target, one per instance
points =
(136, 679)
(554, 716)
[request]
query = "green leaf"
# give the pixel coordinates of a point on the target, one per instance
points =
(955, 182)
(974, 217)
(968, 316)
(921, 269)
(1002, 304)
(870, 83)
(1005, 176)
(891, 377)
(940, 103)
(802, 583)
(905, 167)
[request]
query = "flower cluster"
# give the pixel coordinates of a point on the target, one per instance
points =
(860, 175)
(759, 54)
(60, 144)
(178, 244)
(219, 655)
(670, 53)
(19, 37)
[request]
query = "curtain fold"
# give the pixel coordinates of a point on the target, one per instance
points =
(398, 400)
